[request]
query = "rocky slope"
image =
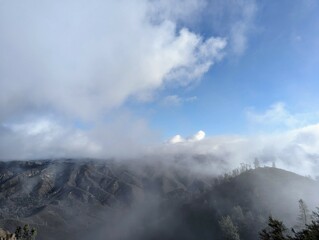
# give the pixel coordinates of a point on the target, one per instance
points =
(6, 235)
(83, 199)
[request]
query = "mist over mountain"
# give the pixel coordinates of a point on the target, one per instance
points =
(158, 119)
(108, 199)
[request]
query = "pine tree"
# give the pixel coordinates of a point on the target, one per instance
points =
(25, 233)
(304, 216)
(275, 230)
(230, 231)
(256, 163)
(18, 232)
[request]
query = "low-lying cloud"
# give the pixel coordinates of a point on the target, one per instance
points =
(295, 150)
(124, 137)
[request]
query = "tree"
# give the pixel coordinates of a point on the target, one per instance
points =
(311, 231)
(256, 163)
(26, 233)
(18, 232)
(245, 221)
(237, 215)
(275, 230)
(230, 231)
(304, 216)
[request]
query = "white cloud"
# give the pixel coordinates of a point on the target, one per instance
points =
(39, 126)
(176, 139)
(295, 150)
(234, 19)
(125, 136)
(200, 135)
(82, 58)
(41, 138)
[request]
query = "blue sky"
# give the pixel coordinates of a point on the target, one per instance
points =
(93, 77)
(279, 64)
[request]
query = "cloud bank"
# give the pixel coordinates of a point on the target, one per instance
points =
(124, 137)
(295, 150)
(82, 58)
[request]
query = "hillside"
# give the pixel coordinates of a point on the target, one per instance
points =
(270, 190)
(78, 199)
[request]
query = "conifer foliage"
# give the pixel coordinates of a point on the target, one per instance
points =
(25, 233)
(230, 231)
(277, 231)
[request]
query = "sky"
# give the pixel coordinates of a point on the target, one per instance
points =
(91, 78)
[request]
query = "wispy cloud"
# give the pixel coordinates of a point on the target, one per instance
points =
(186, 11)
(234, 19)
(175, 100)
(276, 114)
(243, 26)
(278, 117)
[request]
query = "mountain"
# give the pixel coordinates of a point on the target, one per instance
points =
(108, 199)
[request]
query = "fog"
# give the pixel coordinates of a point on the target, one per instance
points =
(130, 138)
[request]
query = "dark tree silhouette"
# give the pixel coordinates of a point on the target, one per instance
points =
(25, 233)
(276, 230)
(304, 215)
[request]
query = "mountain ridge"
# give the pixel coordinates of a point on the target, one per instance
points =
(73, 198)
